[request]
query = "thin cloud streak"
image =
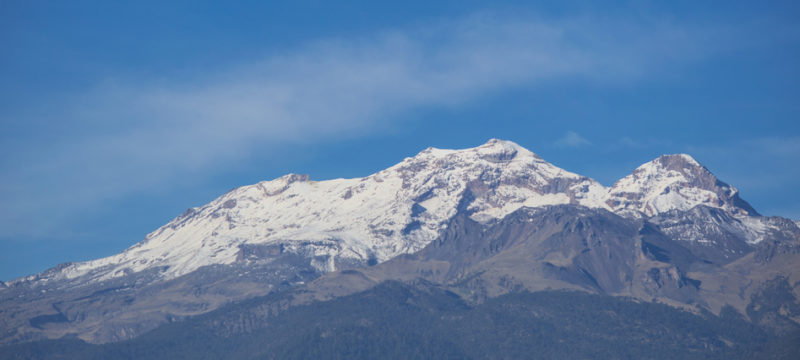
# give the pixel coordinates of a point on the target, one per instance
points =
(572, 139)
(139, 135)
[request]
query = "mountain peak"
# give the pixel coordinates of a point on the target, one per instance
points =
(677, 162)
(279, 185)
(496, 150)
(681, 168)
(495, 142)
(674, 182)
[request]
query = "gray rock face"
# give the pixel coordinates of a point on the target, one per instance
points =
(560, 247)
(592, 250)
(718, 237)
(713, 234)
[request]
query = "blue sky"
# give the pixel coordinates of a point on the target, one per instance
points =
(114, 118)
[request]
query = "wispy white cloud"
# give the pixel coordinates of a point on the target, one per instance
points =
(778, 146)
(140, 134)
(572, 139)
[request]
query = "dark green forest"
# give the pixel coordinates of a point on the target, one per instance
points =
(423, 321)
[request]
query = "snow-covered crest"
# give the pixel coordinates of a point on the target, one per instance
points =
(673, 182)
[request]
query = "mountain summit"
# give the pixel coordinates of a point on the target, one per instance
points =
(674, 182)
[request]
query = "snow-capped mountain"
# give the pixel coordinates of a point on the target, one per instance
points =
(286, 232)
(400, 209)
